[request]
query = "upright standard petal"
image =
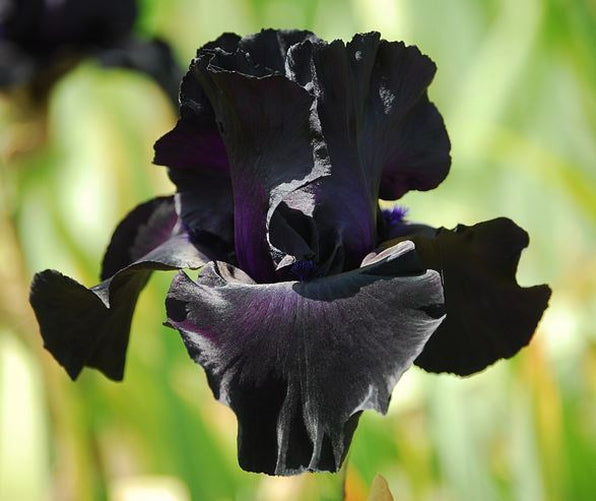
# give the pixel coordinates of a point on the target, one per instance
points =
(273, 143)
(90, 327)
(195, 143)
(346, 122)
(269, 48)
(380, 128)
(299, 361)
(489, 316)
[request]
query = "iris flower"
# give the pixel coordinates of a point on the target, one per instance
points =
(41, 39)
(311, 301)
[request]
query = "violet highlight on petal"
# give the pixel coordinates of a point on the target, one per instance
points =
(395, 215)
(304, 270)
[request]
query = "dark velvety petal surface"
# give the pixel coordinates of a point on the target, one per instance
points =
(420, 159)
(378, 123)
(192, 146)
(274, 148)
(143, 229)
(269, 48)
(414, 145)
(90, 327)
(299, 361)
(204, 203)
(310, 134)
(381, 133)
(195, 142)
(489, 316)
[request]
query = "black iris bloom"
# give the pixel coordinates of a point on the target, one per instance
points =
(311, 301)
(42, 39)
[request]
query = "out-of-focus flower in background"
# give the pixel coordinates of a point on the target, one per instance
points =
(42, 39)
(313, 302)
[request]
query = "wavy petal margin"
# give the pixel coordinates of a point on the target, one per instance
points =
(489, 316)
(299, 361)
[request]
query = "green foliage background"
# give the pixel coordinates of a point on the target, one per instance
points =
(516, 84)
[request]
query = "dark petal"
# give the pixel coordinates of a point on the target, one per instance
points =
(195, 143)
(489, 316)
(78, 328)
(420, 157)
(274, 149)
(415, 149)
(226, 42)
(268, 49)
(152, 57)
(143, 229)
(204, 203)
(334, 125)
(378, 123)
(380, 131)
(295, 232)
(389, 230)
(299, 361)
(345, 202)
(90, 327)
(190, 146)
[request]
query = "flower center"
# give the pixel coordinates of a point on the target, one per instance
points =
(395, 215)
(304, 270)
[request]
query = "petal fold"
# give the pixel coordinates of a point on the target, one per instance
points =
(274, 149)
(299, 361)
(379, 126)
(204, 204)
(90, 327)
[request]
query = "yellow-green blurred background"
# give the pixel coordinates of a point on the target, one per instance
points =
(516, 84)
